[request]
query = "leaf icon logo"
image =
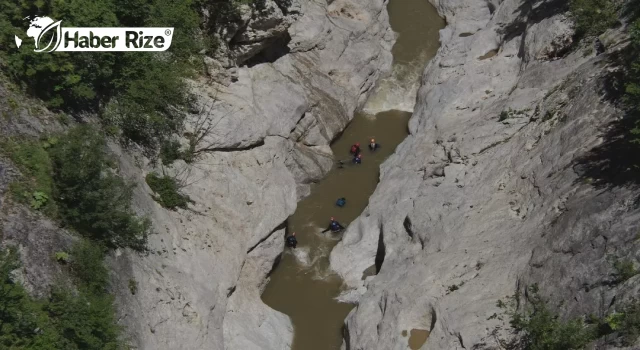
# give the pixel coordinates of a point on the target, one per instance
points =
(40, 26)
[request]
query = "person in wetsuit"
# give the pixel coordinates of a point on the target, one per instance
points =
(355, 149)
(373, 145)
(357, 159)
(341, 202)
(291, 241)
(334, 226)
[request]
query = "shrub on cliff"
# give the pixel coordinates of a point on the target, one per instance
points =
(66, 320)
(593, 17)
(167, 190)
(542, 329)
(35, 188)
(90, 197)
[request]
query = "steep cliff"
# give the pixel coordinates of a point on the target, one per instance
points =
(511, 176)
(200, 285)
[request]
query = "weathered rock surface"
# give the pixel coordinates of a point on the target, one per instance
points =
(200, 285)
(509, 178)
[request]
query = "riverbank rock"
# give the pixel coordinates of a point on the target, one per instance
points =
(508, 179)
(271, 122)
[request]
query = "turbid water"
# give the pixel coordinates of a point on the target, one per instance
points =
(302, 286)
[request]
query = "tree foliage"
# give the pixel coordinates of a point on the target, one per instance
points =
(167, 190)
(542, 329)
(66, 320)
(90, 197)
(593, 17)
(147, 87)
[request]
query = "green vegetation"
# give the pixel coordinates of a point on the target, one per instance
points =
(143, 92)
(36, 186)
(593, 17)
(542, 329)
(133, 286)
(68, 177)
(625, 269)
(62, 257)
(504, 115)
(90, 197)
(513, 113)
(167, 190)
(627, 323)
(171, 150)
(80, 319)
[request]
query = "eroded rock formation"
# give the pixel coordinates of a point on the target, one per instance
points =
(506, 180)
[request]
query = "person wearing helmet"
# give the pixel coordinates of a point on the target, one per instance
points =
(373, 145)
(334, 226)
(357, 159)
(291, 241)
(355, 149)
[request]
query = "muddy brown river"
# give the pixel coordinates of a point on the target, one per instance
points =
(302, 285)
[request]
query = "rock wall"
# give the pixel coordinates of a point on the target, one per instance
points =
(199, 287)
(513, 174)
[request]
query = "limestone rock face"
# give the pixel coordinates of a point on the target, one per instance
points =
(271, 124)
(505, 180)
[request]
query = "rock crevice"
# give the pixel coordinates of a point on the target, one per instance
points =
(507, 200)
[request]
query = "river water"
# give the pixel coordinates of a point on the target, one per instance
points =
(302, 285)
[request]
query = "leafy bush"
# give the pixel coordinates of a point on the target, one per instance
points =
(593, 17)
(62, 257)
(65, 320)
(87, 267)
(90, 197)
(133, 286)
(628, 322)
(39, 200)
(167, 190)
(147, 86)
(83, 321)
(33, 161)
(170, 152)
(542, 329)
(625, 269)
(68, 177)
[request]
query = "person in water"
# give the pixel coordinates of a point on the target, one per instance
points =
(341, 202)
(355, 149)
(373, 145)
(334, 226)
(357, 159)
(291, 241)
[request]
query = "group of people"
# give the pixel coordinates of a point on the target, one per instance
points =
(357, 155)
(334, 225)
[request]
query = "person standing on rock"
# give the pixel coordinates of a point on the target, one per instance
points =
(373, 145)
(334, 226)
(355, 149)
(291, 241)
(357, 159)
